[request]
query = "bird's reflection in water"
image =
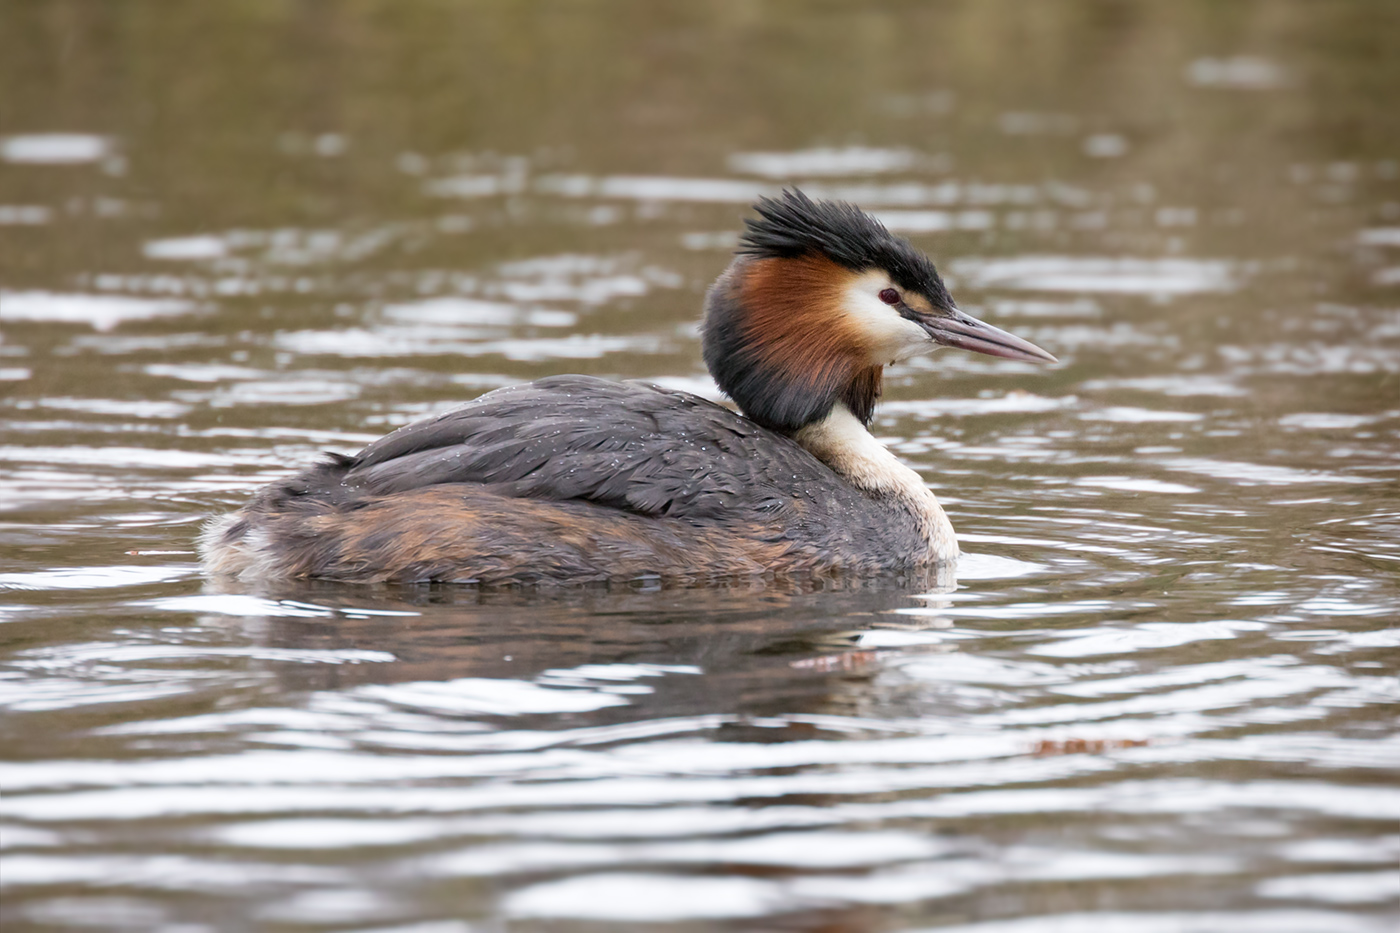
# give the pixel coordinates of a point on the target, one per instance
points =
(748, 644)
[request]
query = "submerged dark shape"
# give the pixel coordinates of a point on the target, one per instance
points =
(576, 479)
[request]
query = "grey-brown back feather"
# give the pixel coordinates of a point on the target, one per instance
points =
(631, 446)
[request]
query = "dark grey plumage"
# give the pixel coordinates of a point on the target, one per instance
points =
(625, 445)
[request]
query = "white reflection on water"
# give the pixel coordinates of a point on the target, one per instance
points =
(127, 654)
(327, 833)
(1077, 307)
(1183, 384)
(993, 567)
(935, 221)
(474, 312)
(102, 312)
(1239, 72)
(24, 214)
(327, 781)
(238, 604)
(502, 317)
(653, 188)
(1137, 415)
(1357, 357)
(1259, 921)
(117, 457)
(808, 850)
(54, 148)
(92, 578)
(331, 905)
(302, 390)
(1100, 275)
(850, 160)
(944, 193)
(1379, 849)
(476, 186)
(875, 195)
(638, 898)
(1014, 401)
(1146, 636)
(170, 872)
(1105, 146)
(1326, 421)
(1136, 484)
(145, 408)
(427, 341)
(1377, 887)
(634, 801)
(492, 697)
(1379, 236)
(1249, 474)
(186, 248)
(101, 913)
(953, 876)
(202, 372)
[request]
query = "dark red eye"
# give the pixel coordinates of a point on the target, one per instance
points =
(889, 296)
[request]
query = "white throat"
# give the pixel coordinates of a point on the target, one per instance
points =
(841, 442)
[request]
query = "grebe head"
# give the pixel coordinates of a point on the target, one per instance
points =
(820, 297)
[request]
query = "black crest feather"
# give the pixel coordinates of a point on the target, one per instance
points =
(794, 225)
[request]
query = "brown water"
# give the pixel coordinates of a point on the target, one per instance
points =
(1161, 696)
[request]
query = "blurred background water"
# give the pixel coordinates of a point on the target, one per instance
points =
(1161, 696)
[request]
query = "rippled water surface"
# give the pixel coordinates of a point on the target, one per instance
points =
(1159, 696)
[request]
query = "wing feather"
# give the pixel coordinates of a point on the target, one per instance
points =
(628, 445)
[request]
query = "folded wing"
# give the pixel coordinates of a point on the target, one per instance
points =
(630, 446)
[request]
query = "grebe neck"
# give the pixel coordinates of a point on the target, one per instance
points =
(843, 443)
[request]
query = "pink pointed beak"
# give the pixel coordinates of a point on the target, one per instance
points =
(956, 329)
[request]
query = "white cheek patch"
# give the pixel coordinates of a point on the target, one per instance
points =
(891, 338)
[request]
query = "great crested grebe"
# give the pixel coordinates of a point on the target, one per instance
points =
(576, 479)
